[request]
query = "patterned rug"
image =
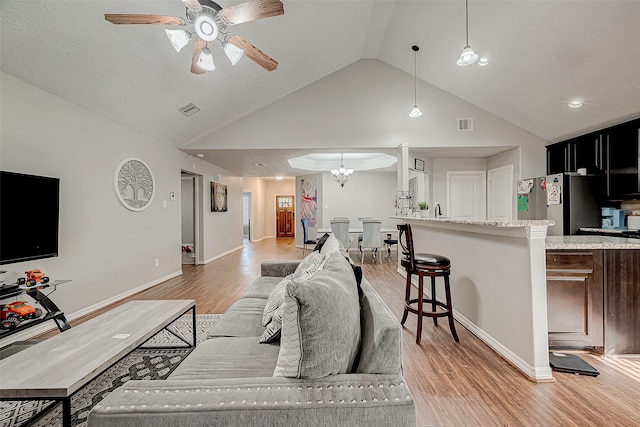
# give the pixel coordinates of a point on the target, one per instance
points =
(141, 364)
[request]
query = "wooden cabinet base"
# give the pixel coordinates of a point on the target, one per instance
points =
(622, 302)
(575, 299)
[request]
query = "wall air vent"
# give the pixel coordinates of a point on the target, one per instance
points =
(465, 124)
(189, 109)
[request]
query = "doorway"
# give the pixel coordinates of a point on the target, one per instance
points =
(285, 216)
(246, 216)
(190, 208)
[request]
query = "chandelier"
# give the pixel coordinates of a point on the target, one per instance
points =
(342, 175)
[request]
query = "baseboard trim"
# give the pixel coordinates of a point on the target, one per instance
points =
(207, 261)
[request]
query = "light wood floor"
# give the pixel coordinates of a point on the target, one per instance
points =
(464, 384)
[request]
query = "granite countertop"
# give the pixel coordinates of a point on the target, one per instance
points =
(590, 242)
(604, 230)
(487, 223)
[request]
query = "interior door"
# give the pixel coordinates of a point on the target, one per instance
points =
(467, 194)
(285, 217)
(500, 194)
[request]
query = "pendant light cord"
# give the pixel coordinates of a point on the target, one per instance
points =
(415, 77)
(466, 8)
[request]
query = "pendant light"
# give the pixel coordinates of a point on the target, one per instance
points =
(415, 111)
(467, 56)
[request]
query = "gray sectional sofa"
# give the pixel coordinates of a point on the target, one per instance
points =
(336, 361)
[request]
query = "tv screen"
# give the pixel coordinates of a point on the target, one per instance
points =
(29, 213)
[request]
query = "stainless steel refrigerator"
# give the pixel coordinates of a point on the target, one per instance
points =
(569, 199)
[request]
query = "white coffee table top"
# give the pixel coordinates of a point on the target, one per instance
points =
(60, 365)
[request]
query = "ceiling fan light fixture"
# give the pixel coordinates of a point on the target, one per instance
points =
(178, 38)
(233, 52)
(205, 60)
(206, 27)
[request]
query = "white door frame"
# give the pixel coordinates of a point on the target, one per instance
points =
(500, 193)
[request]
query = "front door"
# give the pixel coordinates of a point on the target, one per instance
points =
(285, 217)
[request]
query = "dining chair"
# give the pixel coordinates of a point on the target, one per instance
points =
(305, 232)
(371, 238)
(360, 218)
(340, 229)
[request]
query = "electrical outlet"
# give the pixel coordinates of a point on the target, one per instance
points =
(157, 262)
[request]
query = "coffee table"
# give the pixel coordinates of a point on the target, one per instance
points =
(56, 368)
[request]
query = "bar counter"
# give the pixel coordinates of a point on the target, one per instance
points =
(498, 284)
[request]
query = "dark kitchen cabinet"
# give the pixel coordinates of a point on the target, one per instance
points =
(558, 158)
(587, 152)
(575, 299)
(622, 296)
(623, 160)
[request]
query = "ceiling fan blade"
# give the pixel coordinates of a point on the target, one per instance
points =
(253, 53)
(124, 18)
(251, 11)
(196, 54)
(193, 4)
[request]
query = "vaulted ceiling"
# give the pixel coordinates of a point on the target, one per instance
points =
(542, 54)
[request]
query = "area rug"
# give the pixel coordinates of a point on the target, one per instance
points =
(147, 362)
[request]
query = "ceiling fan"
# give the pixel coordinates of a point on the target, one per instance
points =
(210, 23)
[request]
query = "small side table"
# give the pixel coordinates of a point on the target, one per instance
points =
(52, 312)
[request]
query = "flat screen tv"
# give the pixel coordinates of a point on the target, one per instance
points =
(29, 216)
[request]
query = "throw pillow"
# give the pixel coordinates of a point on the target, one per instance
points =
(321, 242)
(272, 333)
(275, 299)
(330, 246)
(320, 333)
(307, 267)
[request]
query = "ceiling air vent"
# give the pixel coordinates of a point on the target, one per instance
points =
(465, 124)
(189, 109)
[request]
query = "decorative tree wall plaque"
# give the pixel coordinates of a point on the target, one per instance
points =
(218, 197)
(134, 184)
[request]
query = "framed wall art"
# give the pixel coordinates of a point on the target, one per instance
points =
(218, 197)
(134, 184)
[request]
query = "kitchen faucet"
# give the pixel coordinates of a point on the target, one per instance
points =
(438, 211)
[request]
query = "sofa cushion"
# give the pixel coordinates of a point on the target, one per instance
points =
(242, 319)
(381, 348)
(262, 287)
(320, 323)
(227, 357)
(307, 267)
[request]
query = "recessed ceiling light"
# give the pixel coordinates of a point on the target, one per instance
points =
(200, 155)
(279, 177)
(575, 104)
(483, 61)
(259, 164)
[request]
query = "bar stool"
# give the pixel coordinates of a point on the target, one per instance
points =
(430, 265)
(388, 243)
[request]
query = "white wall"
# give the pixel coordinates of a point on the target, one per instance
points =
(105, 249)
(365, 105)
(256, 188)
(371, 194)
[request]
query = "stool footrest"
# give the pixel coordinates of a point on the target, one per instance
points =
(414, 310)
